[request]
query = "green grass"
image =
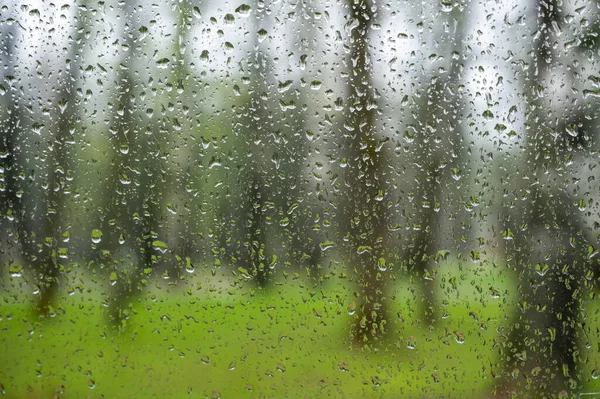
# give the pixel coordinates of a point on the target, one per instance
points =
(230, 341)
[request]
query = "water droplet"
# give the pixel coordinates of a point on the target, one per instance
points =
(96, 236)
(382, 265)
(487, 114)
(243, 10)
(351, 308)
(303, 59)
(511, 114)
(229, 19)
(15, 270)
(326, 245)
(282, 87)
(124, 148)
(163, 63)
(363, 249)
(143, 32)
(62, 105)
(124, 179)
(171, 208)
(37, 128)
(232, 365)
(456, 174)
(572, 130)
(262, 35)
(196, 12)
(189, 266)
(204, 56)
(459, 336)
(160, 246)
(342, 366)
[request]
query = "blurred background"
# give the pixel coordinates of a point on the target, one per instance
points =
(299, 199)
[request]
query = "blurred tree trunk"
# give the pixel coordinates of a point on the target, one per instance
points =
(12, 119)
(365, 181)
(439, 156)
(546, 241)
(135, 183)
(299, 150)
(255, 140)
(53, 220)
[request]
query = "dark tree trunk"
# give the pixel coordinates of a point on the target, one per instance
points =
(365, 182)
(541, 354)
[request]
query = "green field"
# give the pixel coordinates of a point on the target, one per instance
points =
(219, 337)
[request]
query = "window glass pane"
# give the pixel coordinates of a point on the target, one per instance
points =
(344, 198)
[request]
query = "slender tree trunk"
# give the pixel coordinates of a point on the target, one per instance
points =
(53, 220)
(365, 182)
(541, 354)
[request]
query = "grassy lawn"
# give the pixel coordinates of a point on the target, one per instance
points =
(232, 341)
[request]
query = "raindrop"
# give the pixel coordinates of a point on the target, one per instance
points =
(572, 130)
(159, 246)
(282, 87)
(96, 236)
(326, 245)
(243, 10)
(229, 19)
(456, 173)
(189, 267)
(262, 35)
(171, 208)
(62, 105)
(143, 32)
(446, 6)
(459, 336)
(204, 56)
(15, 270)
(163, 63)
(124, 179)
(351, 308)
